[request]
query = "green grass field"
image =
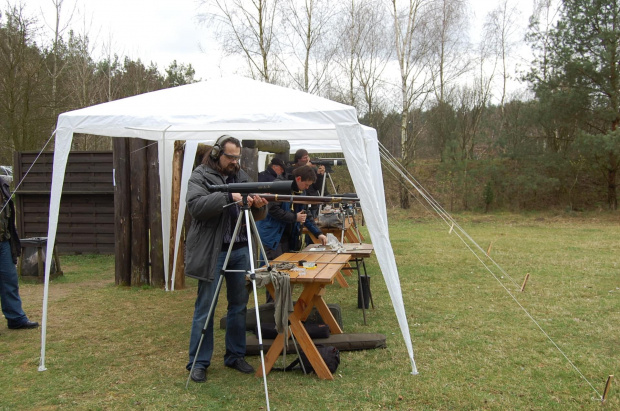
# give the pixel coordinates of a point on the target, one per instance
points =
(475, 347)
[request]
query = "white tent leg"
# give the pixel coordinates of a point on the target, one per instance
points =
(188, 163)
(63, 142)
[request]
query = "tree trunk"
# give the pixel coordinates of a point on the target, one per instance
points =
(404, 192)
(139, 229)
(612, 198)
(154, 217)
(272, 146)
(122, 205)
(250, 162)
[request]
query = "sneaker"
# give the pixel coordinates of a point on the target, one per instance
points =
(241, 365)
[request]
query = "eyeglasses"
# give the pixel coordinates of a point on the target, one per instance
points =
(232, 157)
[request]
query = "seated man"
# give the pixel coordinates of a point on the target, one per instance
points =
(280, 231)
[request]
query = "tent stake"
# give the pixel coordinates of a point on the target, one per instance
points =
(607, 387)
(527, 277)
(489, 249)
(451, 228)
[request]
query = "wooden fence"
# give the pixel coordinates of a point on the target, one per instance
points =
(86, 218)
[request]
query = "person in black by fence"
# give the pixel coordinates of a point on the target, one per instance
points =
(10, 249)
(275, 171)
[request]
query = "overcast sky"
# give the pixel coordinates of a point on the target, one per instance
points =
(164, 30)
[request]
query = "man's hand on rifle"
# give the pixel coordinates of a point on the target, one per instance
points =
(257, 201)
(253, 201)
(301, 216)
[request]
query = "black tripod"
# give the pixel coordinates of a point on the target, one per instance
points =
(250, 228)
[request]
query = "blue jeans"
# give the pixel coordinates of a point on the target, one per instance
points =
(9, 288)
(237, 296)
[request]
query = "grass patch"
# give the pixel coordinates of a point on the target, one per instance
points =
(125, 348)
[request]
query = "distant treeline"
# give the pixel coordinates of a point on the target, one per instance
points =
(558, 149)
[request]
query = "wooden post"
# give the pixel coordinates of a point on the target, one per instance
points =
(177, 169)
(122, 222)
(607, 387)
(154, 217)
(249, 164)
(281, 148)
(527, 277)
(139, 229)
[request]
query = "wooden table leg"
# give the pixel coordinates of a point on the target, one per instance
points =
(326, 314)
(272, 355)
(341, 280)
(304, 340)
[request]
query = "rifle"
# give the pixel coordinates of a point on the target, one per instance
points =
(299, 199)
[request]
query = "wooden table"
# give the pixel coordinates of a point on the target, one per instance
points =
(358, 252)
(350, 232)
(354, 249)
(314, 282)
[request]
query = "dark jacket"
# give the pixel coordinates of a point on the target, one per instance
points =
(16, 247)
(206, 231)
(268, 176)
(280, 215)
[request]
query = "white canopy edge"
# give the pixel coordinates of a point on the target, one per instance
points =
(330, 126)
(375, 214)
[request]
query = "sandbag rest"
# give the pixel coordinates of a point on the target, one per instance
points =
(344, 342)
(267, 312)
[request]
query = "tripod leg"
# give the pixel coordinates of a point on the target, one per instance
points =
(204, 329)
(260, 244)
(260, 340)
(250, 224)
(215, 298)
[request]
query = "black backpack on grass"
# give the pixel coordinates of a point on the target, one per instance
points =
(330, 354)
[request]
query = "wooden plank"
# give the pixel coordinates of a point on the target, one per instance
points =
(154, 218)
(139, 232)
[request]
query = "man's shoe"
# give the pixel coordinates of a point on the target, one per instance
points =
(27, 324)
(241, 365)
(199, 375)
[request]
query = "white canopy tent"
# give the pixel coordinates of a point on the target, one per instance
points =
(246, 109)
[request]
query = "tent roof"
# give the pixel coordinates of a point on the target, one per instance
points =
(205, 110)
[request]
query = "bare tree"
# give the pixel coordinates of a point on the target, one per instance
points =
(81, 67)
(545, 15)
(248, 29)
(350, 22)
(23, 115)
(308, 23)
(448, 59)
(108, 69)
(373, 55)
(501, 31)
(58, 63)
(412, 45)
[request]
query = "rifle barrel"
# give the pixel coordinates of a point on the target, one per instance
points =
(300, 199)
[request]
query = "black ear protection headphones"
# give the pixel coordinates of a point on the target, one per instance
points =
(217, 147)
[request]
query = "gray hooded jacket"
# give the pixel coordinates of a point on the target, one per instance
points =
(206, 231)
